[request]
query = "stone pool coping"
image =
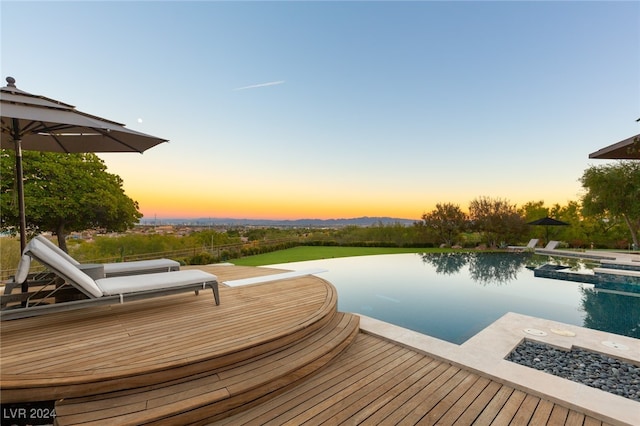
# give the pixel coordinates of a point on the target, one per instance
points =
(485, 354)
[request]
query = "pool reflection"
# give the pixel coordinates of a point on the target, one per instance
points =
(453, 296)
(484, 268)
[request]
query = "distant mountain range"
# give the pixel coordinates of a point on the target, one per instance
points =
(297, 223)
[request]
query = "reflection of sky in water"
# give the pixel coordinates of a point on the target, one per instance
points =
(404, 290)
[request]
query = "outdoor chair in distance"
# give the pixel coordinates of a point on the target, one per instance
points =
(101, 291)
(550, 248)
(530, 246)
(121, 268)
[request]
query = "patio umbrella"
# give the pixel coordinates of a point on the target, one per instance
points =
(32, 122)
(628, 149)
(547, 222)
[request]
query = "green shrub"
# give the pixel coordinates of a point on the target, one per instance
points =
(203, 258)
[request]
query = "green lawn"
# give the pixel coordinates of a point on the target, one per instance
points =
(298, 254)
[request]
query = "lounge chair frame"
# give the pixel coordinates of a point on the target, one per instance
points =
(529, 247)
(35, 310)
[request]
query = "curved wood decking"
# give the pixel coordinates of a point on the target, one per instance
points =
(128, 355)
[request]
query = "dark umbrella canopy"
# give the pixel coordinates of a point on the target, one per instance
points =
(38, 123)
(628, 149)
(547, 222)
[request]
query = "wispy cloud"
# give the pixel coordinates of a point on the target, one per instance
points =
(255, 86)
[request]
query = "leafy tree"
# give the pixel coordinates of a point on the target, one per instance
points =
(65, 193)
(447, 221)
(391, 234)
(533, 210)
(613, 191)
(497, 219)
(580, 233)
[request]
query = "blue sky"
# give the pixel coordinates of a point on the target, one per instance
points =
(339, 109)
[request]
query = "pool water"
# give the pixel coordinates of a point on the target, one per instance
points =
(454, 296)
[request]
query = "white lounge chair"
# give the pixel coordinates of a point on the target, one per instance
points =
(102, 291)
(550, 248)
(551, 245)
(121, 268)
(530, 246)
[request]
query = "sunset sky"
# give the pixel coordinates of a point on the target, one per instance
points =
(285, 110)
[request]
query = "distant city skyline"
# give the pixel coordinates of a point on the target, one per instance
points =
(290, 110)
(301, 222)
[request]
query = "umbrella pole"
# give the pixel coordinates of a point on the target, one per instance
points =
(23, 220)
(20, 185)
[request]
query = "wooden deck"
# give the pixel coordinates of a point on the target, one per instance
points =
(275, 353)
(378, 383)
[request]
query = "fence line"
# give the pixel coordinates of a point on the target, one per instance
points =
(217, 252)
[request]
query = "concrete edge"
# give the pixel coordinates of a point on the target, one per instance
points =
(273, 277)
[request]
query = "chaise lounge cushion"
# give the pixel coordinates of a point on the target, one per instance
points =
(23, 269)
(69, 271)
(140, 266)
(56, 249)
(136, 283)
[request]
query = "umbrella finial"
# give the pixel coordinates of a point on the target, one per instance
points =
(11, 82)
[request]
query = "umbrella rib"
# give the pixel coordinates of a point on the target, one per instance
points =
(32, 127)
(55, 138)
(106, 133)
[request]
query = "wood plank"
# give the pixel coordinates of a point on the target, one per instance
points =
(590, 421)
(558, 415)
(542, 413)
(442, 407)
(509, 409)
(430, 400)
(400, 382)
(400, 406)
(574, 418)
(477, 406)
(464, 402)
(526, 410)
(343, 404)
(494, 406)
(120, 398)
(415, 371)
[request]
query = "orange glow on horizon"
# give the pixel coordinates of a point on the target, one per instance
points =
(164, 202)
(269, 210)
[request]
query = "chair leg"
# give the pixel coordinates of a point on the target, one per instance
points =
(214, 288)
(216, 294)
